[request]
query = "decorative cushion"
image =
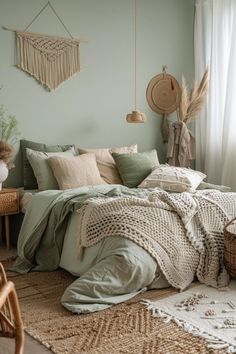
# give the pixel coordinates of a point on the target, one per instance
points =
(41, 168)
(133, 168)
(78, 171)
(173, 179)
(30, 181)
(106, 163)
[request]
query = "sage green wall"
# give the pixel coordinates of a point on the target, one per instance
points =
(90, 108)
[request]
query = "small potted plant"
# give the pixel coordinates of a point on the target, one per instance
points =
(9, 134)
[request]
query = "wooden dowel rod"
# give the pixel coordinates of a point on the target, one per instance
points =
(46, 35)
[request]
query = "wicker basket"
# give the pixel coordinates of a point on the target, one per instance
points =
(230, 247)
(9, 201)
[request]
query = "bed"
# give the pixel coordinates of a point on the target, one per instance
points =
(122, 240)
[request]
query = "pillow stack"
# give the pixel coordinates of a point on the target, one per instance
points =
(52, 167)
(58, 167)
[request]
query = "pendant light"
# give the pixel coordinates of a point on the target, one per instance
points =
(135, 116)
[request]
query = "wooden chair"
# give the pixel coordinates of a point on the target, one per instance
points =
(11, 324)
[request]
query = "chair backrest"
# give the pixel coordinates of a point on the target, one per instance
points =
(11, 324)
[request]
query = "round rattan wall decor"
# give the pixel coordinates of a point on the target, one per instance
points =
(163, 93)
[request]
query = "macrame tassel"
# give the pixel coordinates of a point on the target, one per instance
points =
(50, 60)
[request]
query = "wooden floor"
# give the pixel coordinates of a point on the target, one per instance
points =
(7, 345)
(4, 253)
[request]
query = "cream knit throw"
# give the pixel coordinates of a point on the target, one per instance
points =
(182, 231)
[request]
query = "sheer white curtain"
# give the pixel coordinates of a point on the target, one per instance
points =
(215, 47)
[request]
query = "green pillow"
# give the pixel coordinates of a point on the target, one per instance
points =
(133, 168)
(30, 181)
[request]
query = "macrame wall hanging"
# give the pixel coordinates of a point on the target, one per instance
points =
(50, 60)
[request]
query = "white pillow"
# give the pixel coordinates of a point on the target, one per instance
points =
(173, 179)
(42, 170)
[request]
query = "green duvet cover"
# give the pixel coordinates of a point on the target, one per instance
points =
(112, 271)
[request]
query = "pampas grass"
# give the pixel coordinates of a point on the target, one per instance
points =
(191, 103)
(6, 153)
(184, 100)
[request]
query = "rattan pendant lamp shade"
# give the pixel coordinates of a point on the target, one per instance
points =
(135, 116)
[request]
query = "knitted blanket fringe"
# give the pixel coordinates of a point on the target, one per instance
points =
(183, 232)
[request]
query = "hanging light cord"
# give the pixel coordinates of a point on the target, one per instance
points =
(135, 54)
(135, 116)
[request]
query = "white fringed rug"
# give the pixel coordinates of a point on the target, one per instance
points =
(204, 312)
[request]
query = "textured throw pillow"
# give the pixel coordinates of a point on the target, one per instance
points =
(133, 168)
(78, 171)
(173, 179)
(106, 163)
(42, 170)
(30, 181)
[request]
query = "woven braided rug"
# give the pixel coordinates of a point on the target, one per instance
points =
(128, 328)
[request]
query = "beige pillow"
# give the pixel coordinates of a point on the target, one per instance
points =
(173, 179)
(42, 171)
(78, 171)
(106, 163)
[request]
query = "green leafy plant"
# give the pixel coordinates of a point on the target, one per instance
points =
(9, 134)
(9, 127)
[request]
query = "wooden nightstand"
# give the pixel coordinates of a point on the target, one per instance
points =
(9, 205)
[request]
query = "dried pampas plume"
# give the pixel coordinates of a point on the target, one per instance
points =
(184, 100)
(6, 153)
(191, 103)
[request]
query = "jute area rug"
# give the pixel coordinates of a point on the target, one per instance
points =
(203, 311)
(128, 328)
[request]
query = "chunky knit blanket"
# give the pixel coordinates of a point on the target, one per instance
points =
(183, 232)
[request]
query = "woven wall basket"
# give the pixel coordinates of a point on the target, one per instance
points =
(163, 94)
(230, 247)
